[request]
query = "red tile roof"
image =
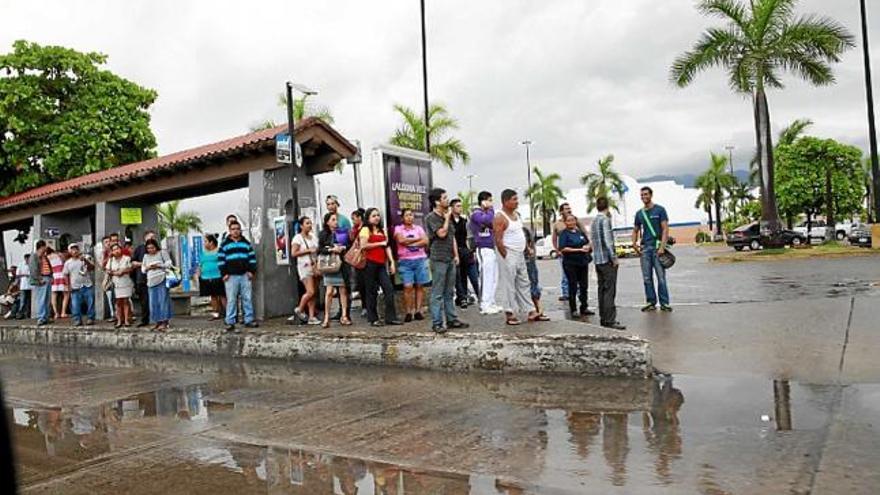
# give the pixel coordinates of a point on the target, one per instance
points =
(225, 148)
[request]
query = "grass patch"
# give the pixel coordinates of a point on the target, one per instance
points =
(831, 249)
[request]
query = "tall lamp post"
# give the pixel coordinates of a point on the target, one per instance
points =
(291, 132)
(528, 143)
(872, 128)
(730, 149)
(425, 80)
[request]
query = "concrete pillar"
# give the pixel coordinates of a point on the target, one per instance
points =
(275, 287)
(4, 278)
(36, 234)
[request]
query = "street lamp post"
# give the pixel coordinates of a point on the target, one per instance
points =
(291, 132)
(425, 79)
(730, 149)
(528, 143)
(872, 128)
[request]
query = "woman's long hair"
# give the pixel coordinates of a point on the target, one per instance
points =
(368, 214)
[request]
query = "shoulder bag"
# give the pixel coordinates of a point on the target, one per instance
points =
(355, 255)
(667, 259)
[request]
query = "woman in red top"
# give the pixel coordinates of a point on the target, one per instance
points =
(374, 242)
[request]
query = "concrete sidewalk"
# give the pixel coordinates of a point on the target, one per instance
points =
(489, 345)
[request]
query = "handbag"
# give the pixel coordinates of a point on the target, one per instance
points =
(667, 259)
(329, 263)
(107, 282)
(355, 256)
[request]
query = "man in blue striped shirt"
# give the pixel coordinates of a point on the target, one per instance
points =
(605, 259)
(237, 262)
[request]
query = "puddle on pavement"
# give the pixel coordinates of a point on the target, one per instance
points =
(542, 435)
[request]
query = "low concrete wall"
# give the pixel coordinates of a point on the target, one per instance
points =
(568, 354)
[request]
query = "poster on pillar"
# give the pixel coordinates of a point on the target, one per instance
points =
(282, 245)
(407, 182)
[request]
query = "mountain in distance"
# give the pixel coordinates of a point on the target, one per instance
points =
(688, 180)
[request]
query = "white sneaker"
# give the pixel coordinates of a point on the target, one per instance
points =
(491, 310)
(314, 321)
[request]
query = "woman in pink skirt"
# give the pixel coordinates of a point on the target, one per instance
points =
(60, 287)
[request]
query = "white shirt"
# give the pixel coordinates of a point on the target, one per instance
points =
(24, 278)
(514, 236)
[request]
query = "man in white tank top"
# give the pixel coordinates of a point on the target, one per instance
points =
(513, 279)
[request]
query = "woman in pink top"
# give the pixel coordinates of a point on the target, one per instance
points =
(413, 264)
(60, 286)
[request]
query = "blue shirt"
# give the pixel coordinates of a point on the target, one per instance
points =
(576, 239)
(209, 265)
(656, 214)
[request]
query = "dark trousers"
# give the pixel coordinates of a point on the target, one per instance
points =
(467, 270)
(607, 281)
(375, 276)
(578, 281)
(144, 300)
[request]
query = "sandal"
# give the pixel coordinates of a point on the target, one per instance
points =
(325, 324)
(539, 317)
(345, 321)
(512, 322)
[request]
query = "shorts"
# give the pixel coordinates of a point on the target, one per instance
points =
(414, 272)
(211, 287)
(534, 285)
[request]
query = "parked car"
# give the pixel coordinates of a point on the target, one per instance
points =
(544, 249)
(819, 229)
(750, 236)
(860, 235)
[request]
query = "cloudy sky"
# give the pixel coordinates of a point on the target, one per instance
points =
(580, 79)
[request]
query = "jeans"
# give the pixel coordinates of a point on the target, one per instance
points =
(467, 270)
(563, 284)
(44, 298)
(239, 286)
(534, 282)
(650, 266)
(578, 283)
(607, 279)
(23, 310)
(78, 297)
(442, 292)
(375, 276)
(160, 303)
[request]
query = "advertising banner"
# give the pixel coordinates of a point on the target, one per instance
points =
(407, 182)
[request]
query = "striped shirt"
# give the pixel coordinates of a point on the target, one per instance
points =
(602, 239)
(236, 257)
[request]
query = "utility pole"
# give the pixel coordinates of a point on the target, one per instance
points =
(294, 189)
(730, 149)
(425, 80)
(872, 127)
(528, 143)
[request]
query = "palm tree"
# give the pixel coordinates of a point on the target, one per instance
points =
(302, 109)
(600, 184)
(740, 193)
(261, 126)
(704, 200)
(717, 179)
(544, 196)
(411, 134)
(173, 221)
(763, 39)
(787, 136)
(468, 201)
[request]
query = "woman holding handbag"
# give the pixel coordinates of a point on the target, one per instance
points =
(156, 265)
(374, 242)
(303, 248)
(330, 267)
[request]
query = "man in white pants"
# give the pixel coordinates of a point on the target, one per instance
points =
(481, 226)
(513, 278)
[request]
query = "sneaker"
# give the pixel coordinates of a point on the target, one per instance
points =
(77, 323)
(438, 329)
(563, 298)
(377, 324)
(41, 323)
(314, 321)
(419, 316)
(666, 308)
(230, 328)
(491, 310)
(648, 307)
(90, 323)
(615, 326)
(408, 318)
(252, 324)
(456, 324)
(587, 312)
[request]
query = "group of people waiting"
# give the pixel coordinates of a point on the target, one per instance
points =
(492, 251)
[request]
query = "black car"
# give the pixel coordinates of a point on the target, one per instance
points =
(860, 235)
(750, 236)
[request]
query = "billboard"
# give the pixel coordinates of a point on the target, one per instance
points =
(407, 182)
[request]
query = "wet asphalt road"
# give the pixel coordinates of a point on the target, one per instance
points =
(775, 390)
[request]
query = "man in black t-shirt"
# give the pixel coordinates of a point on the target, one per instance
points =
(467, 259)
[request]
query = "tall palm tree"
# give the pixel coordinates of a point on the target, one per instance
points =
(544, 195)
(411, 134)
(740, 193)
(603, 183)
(717, 179)
(173, 221)
(787, 136)
(761, 40)
(302, 108)
(704, 200)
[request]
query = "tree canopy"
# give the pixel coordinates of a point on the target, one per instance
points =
(603, 183)
(812, 170)
(545, 195)
(173, 221)
(62, 115)
(411, 134)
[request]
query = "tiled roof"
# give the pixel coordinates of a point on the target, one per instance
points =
(225, 148)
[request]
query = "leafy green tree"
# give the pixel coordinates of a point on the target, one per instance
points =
(603, 183)
(411, 134)
(786, 136)
(173, 221)
(717, 180)
(761, 40)
(468, 201)
(63, 115)
(303, 108)
(821, 174)
(739, 194)
(544, 196)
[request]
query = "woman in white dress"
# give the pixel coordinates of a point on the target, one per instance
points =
(304, 248)
(119, 267)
